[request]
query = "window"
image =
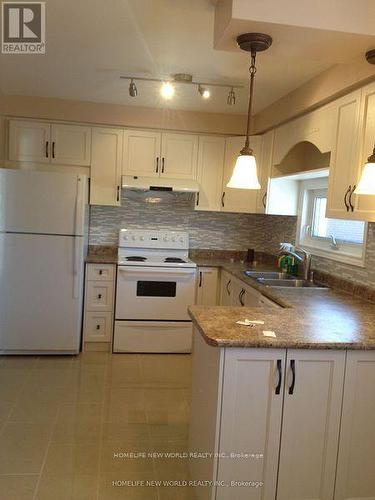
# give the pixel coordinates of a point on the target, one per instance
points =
(338, 239)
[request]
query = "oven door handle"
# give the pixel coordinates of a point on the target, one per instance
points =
(164, 272)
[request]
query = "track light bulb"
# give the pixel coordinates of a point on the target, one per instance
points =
(205, 93)
(133, 91)
(231, 100)
(167, 90)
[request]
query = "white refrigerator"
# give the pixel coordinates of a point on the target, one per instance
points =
(43, 243)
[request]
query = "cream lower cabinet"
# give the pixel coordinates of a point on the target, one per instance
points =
(99, 304)
(105, 186)
(234, 292)
(311, 424)
(207, 286)
(271, 419)
(356, 460)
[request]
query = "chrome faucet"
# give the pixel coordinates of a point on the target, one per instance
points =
(305, 259)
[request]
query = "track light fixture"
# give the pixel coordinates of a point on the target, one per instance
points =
(133, 91)
(231, 100)
(167, 89)
(205, 93)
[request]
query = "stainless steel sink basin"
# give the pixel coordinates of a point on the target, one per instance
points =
(274, 275)
(291, 283)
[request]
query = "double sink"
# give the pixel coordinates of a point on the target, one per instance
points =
(282, 280)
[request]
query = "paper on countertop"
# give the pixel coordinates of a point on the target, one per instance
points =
(269, 333)
(249, 322)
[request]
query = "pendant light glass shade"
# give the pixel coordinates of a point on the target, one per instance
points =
(366, 184)
(244, 174)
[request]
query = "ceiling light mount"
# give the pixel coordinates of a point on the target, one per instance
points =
(254, 42)
(183, 78)
(370, 56)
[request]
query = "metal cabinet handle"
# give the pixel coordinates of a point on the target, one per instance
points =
(162, 165)
(157, 164)
(242, 293)
(47, 144)
(293, 369)
(200, 278)
(227, 287)
(197, 202)
(222, 199)
(98, 327)
(350, 198)
(280, 373)
(264, 200)
(118, 194)
(345, 196)
(100, 271)
(99, 295)
(53, 149)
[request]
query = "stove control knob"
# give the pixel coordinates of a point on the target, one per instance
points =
(134, 238)
(173, 239)
(165, 238)
(142, 238)
(181, 240)
(125, 238)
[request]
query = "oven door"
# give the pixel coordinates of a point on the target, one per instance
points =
(154, 293)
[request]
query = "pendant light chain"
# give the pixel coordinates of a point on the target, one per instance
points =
(252, 70)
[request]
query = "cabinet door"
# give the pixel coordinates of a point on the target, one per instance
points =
(226, 289)
(238, 200)
(141, 153)
(105, 188)
(98, 327)
(364, 206)
(251, 422)
(210, 172)
(311, 420)
(29, 141)
(207, 286)
(344, 157)
(264, 171)
(71, 144)
(179, 156)
(355, 470)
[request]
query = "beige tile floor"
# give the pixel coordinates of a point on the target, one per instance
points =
(65, 423)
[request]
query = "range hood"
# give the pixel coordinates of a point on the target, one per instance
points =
(159, 184)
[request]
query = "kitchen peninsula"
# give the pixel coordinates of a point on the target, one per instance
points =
(285, 406)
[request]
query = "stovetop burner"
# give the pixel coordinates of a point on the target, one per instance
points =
(136, 258)
(177, 260)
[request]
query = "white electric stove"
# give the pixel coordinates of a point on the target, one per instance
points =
(155, 285)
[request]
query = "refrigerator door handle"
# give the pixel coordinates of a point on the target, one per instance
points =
(77, 229)
(78, 223)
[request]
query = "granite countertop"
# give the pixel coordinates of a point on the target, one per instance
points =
(308, 319)
(98, 254)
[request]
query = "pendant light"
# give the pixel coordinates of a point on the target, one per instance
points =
(244, 174)
(367, 183)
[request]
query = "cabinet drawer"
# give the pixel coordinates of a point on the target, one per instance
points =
(99, 296)
(98, 327)
(100, 272)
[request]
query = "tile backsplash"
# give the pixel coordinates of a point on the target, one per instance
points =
(211, 230)
(218, 230)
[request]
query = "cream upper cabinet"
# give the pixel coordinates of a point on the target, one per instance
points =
(311, 424)
(207, 286)
(355, 471)
(179, 155)
(105, 188)
(344, 157)
(238, 200)
(264, 171)
(70, 144)
(29, 141)
(210, 172)
(142, 154)
(364, 205)
(41, 142)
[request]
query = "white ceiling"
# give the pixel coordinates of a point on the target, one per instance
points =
(90, 43)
